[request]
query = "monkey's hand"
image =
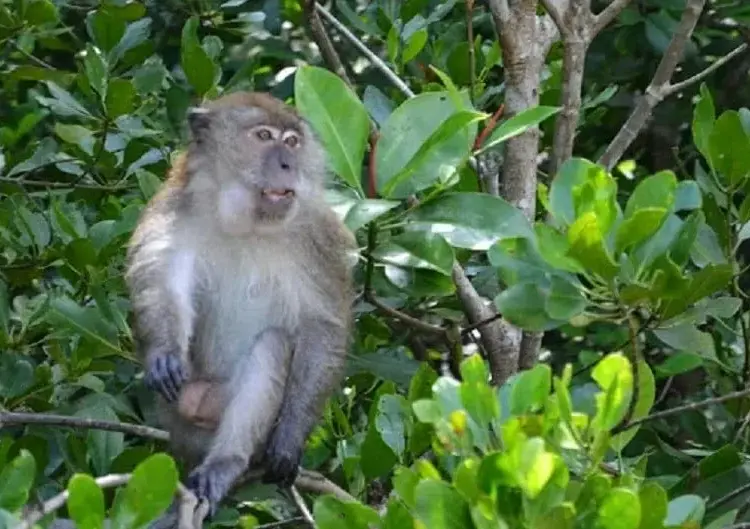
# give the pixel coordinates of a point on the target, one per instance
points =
(282, 460)
(166, 373)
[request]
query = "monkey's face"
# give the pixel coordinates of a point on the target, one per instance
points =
(267, 163)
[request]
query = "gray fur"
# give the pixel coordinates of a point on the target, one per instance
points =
(255, 295)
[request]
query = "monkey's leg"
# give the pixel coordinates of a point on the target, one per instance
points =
(317, 368)
(254, 396)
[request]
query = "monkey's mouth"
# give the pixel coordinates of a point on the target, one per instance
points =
(277, 195)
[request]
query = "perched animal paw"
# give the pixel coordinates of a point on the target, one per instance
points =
(166, 373)
(212, 480)
(282, 463)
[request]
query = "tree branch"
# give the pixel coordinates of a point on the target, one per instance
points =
(324, 43)
(677, 87)
(374, 59)
(12, 419)
(608, 14)
(60, 185)
(687, 407)
(299, 501)
(307, 480)
(657, 89)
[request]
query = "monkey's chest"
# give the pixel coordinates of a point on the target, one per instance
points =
(230, 316)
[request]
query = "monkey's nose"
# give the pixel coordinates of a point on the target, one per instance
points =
(285, 166)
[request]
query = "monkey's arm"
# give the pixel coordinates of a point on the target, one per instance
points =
(317, 368)
(161, 280)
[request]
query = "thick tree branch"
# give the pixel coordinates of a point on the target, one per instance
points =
(324, 43)
(657, 89)
(307, 480)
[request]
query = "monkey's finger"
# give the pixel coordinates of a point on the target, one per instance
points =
(175, 372)
(162, 379)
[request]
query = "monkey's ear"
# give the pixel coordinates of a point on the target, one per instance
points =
(199, 121)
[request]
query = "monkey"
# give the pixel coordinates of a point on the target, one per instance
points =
(240, 281)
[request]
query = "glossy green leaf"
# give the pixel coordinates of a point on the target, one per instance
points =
(688, 338)
(63, 103)
(134, 35)
(16, 480)
(655, 191)
(417, 249)
(517, 261)
(687, 196)
(581, 187)
(518, 124)
(653, 499)
(614, 375)
(471, 220)
(638, 227)
(96, 69)
(16, 374)
(414, 45)
(729, 146)
(587, 246)
(120, 98)
(85, 502)
(330, 512)
(412, 177)
(390, 422)
(645, 400)
(565, 299)
(199, 69)
(703, 121)
(40, 12)
(621, 509)
(685, 509)
(402, 150)
(148, 494)
(553, 246)
(534, 467)
(367, 210)
(338, 117)
(703, 283)
(85, 321)
(77, 135)
(531, 389)
(679, 363)
(440, 506)
(523, 305)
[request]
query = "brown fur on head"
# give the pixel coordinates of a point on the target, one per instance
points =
(254, 159)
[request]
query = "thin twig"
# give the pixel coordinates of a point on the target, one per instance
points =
(658, 87)
(324, 43)
(13, 419)
(677, 87)
(688, 407)
(470, 38)
(299, 501)
(59, 185)
(54, 503)
(374, 59)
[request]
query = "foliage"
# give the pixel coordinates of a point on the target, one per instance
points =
(639, 267)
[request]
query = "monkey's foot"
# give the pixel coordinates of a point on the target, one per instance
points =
(166, 374)
(213, 479)
(282, 465)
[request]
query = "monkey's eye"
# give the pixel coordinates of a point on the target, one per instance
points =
(291, 140)
(264, 134)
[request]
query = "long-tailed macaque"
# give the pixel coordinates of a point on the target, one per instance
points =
(240, 281)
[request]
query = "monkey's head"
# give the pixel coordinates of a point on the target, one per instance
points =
(262, 158)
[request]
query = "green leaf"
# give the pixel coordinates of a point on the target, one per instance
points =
(653, 499)
(148, 494)
(16, 481)
(582, 187)
(565, 299)
(587, 246)
(679, 363)
(412, 177)
(62, 103)
(685, 511)
(390, 422)
(518, 124)
(440, 506)
(85, 502)
(687, 196)
(338, 117)
(414, 45)
(86, 321)
(120, 98)
(149, 183)
(517, 261)
(103, 445)
(621, 509)
(640, 226)
(77, 135)
(523, 305)
(688, 338)
(417, 249)
(646, 397)
(655, 191)
(331, 513)
(534, 466)
(199, 69)
(703, 121)
(531, 389)
(554, 247)
(40, 12)
(367, 210)
(704, 283)
(401, 149)
(471, 220)
(134, 35)
(729, 147)
(16, 375)
(96, 70)
(614, 375)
